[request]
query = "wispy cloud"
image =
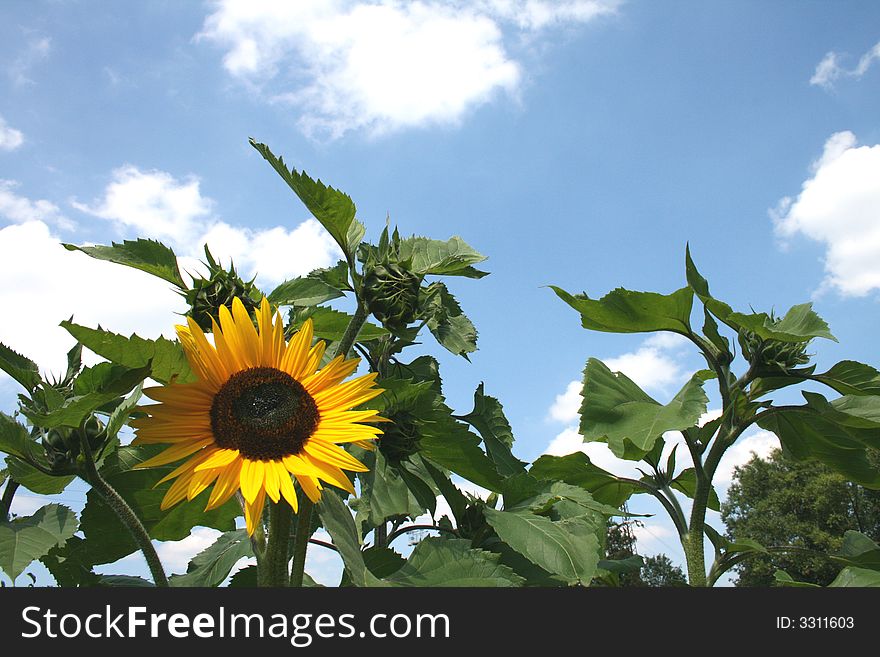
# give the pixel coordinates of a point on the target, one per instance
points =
(382, 65)
(10, 138)
(35, 51)
(831, 69)
(839, 206)
(20, 209)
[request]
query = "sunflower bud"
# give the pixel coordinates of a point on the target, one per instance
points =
(207, 295)
(392, 294)
(401, 438)
(772, 354)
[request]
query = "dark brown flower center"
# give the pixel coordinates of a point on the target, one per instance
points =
(264, 413)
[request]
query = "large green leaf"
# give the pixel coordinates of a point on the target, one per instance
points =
(306, 291)
(616, 410)
(568, 548)
(806, 433)
(857, 577)
(489, 420)
(337, 520)
(22, 369)
(35, 480)
(331, 207)
(335, 276)
(26, 539)
(444, 562)
(147, 255)
(212, 565)
(448, 324)
(577, 469)
(384, 494)
(16, 440)
(858, 550)
(799, 324)
(94, 388)
(850, 377)
(624, 311)
(167, 359)
(450, 258)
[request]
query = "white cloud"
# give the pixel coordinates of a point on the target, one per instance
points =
(153, 203)
(840, 207)
(20, 209)
(176, 555)
(44, 284)
(760, 443)
(157, 205)
(829, 70)
(649, 367)
(10, 138)
(381, 65)
(566, 407)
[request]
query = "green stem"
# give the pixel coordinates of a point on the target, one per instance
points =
(352, 330)
(6, 501)
(301, 541)
(274, 567)
(412, 528)
(124, 512)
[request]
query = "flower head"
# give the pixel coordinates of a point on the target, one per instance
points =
(260, 413)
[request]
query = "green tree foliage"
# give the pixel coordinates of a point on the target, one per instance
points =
(659, 571)
(804, 504)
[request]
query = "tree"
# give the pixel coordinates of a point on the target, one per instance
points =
(803, 504)
(660, 571)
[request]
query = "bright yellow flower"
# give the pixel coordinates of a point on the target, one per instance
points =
(260, 412)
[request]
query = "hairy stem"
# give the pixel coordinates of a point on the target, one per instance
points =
(273, 571)
(124, 512)
(301, 541)
(352, 330)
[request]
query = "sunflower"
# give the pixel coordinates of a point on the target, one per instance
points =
(260, 411)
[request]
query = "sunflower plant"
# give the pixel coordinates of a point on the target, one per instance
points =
(750, 358)
(279, 413)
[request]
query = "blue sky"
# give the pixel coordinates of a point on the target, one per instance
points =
(579, 143)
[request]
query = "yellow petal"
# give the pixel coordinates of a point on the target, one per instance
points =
(253, 511)
(311, 487)
(329, 453)
(287, 489)
(252, 477)
(331, 474)
(227, 484)
(297, 351)
(247, 334)
(174, 453)
(219, 459)
(273, 483)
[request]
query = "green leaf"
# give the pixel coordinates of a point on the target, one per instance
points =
(856, 577)
(448, 324)
(124, 581)
(332, 208)
(22, 369)
(577, 469)
(850, 377)
(686, 482)
(784, 579)
(335, 276)
(34, 480)
(247, 578)
(167, 359)
(450, 258)
(147, 255)
(120, 415)
(330, 325)
(303, 292)
(623, 311)
(805, 433)
(26, 539)
(382, 561)
(16, 440)
(616, 410)
(445, 562)
(384, 494)
(453, 496)
(568, 548)
(489, 420)
(96, 387)
(211, 566)
(337, 520)
(858, 550)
